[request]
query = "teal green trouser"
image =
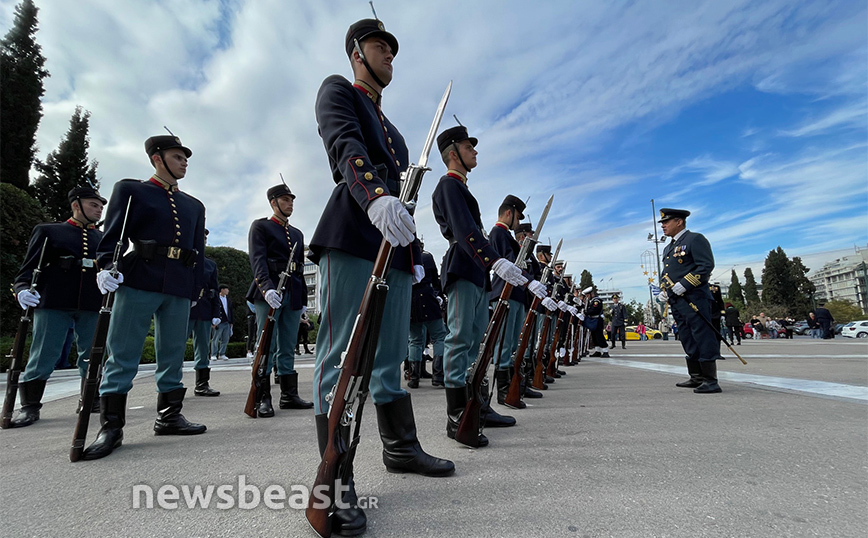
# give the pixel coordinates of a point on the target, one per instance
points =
(49, 334)
(131, 319)
(284, 336)
(201, 329)
(435, 328)
(342, 280)
(514, 323)
(467, 318)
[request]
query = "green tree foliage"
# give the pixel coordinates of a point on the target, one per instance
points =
(735, 293)
(805, 289)
(751, 295)
(586, 280)
(22, 68)
(66, 168)
(844, 311)
(233, 270)
(635, 312)
(785, 285)
(19, 213)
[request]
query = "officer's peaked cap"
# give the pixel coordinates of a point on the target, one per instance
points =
(667, 213)
(454, 135)
(159, 143)
(365, 28)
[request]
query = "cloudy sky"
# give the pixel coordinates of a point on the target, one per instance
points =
(752, 115)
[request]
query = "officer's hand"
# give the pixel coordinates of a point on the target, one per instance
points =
(562, 306)
(509, 272)
(215, 321)
(273, 298)
(679, 289)
(662, 297)
(550, 304)
(418, 273)
(106, 282)
(27, 299)
(537, 288)
(393, 220)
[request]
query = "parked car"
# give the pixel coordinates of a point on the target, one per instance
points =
(801, 328)
(839, 327)
(748, 330)
(652, 334)
(856, 329)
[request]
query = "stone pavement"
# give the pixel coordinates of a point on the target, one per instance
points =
(614, 449)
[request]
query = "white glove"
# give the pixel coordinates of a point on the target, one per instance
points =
(418, 273)
(679, 289)
(106, 282)
(390, 216)
(440, 300)
(27, 299)
(537, 288)
(550, 304)
(509, 272)
(573, 310)
(273, 299)
(662, 297)
(215, 321)
(581, 316)
(562, 306)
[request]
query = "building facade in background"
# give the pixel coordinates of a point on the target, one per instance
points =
(843, 279)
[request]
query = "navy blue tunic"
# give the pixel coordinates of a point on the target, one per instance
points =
(503, 241)
(207, 304)
(424, 305)
(269, 244)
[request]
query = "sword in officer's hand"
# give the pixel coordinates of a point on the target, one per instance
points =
(669, 285)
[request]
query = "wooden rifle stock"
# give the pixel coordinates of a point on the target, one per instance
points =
(16, 364)
(260, 360)
(553, 350)
(513, 396)
(539, 370)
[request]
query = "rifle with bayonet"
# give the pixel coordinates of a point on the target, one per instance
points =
(16, 355)
(263, 344)
(552, 367)
(347, 398)
(513, 395)
(97, 351)
(573, 333)
(539, 369)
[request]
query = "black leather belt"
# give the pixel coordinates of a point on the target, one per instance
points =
(149, 250)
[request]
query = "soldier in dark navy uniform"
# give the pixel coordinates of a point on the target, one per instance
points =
(269, 243)
(594, 322)
(366, 155)
(204, 317)
(426, 321)
(525, 232)
(687, 264)
(159, 279)
(66, 295)
(464, 274)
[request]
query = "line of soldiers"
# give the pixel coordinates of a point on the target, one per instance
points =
(166, 273)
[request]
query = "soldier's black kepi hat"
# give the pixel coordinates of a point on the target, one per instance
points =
(668, 213)
(524, 227)
(279, 190)
(159, 143)
(84, 192)
(516, 203)
(365, 28)
(454, 135)
(547, 249)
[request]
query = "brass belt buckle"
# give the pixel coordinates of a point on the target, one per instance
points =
(174, 253)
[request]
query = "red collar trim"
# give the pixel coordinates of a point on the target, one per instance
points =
(457, 175)
(367, 90)
(501, 225)
(276, 220)
(157, 180)
(79, 224)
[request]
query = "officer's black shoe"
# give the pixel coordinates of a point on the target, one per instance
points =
(93, 408)
(402, 452)
(415, 367)
(493, 419)
(203, 376)
(437, 372)
(605, 355)
(456, 400)
(170, 421)
(31, 402)
(560, 372)
(612, 346)
(289, 398)
(709, 377)
(528, 392)
(423, 372)
(264, 408)
(350, 521)
(695, 372)
(113, 408)
(623, 346)
(503, 379)
(596, 354)
(550, 380)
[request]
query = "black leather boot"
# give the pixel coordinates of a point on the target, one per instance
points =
(402, 452)
(170, 421)
(503, 378)
(415, 370)
(289, 398)
(437, 372)
(493, 419)
(709, 378)
(264, 409)
(456, 399)
(113, 408)
(528, 392)
(31, 402)
(695, 375)
(203, 376)
(423, 372)
(94, 408)
(350, 521)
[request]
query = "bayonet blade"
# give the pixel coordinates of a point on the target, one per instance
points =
(542, 218)
(557, 251)
(432, 132)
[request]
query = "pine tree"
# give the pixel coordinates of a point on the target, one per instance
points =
(751, 295)
(805, 289)
(778, 286)
(22, 68)
(735, 293)
(586, 280)
(66, 168)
